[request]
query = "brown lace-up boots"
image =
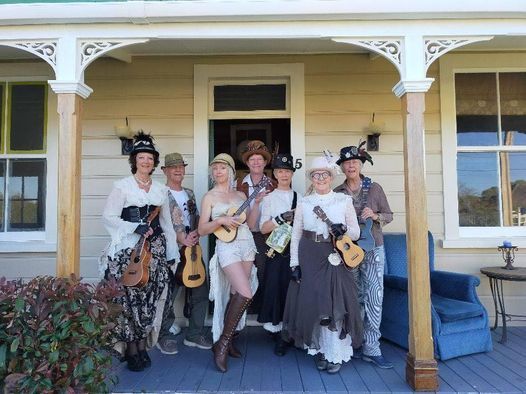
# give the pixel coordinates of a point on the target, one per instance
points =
(236, 307)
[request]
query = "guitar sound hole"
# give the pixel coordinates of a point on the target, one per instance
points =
(136, 259)
(347, 247)
(194, 277)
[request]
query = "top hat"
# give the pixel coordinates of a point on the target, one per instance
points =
(225, 159)
(255, 147)
(283, 161)
(143, 142)
(174, 159)
(354, 152)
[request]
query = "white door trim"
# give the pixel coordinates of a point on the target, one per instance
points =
(203, 74)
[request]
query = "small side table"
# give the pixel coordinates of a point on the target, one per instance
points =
(496, 275)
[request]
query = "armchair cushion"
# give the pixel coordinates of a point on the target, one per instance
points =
(455, 285)
(451, 310)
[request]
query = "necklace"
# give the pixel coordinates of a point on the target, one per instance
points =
(354, 193)
(143, 183)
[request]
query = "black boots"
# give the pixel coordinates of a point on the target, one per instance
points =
(236, 307)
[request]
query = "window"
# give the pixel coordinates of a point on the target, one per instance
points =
(22, 157)
(490, 119)
(484, 128)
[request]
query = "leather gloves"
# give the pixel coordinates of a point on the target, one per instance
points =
(141, 229)
(283, 217)
(295, 274)
(338, 229)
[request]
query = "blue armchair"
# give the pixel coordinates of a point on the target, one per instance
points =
(459, 320)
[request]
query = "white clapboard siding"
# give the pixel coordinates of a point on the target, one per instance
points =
(342, 91)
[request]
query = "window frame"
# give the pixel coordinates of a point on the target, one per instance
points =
(44, 240)
(263, 114)
(454, 235)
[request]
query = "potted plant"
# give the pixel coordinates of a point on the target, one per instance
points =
(55, 334)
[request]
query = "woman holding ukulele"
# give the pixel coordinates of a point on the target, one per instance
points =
(322, 313)
(232, 271)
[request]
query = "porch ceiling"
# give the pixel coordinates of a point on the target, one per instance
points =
(222, 46)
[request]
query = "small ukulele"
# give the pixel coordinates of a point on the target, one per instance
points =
(191, 270)
(227, 234)
(351, 254)
(136, 274)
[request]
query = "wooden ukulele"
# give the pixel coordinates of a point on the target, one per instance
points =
(191, 270)
(137, 272)
(227, 234)
(351, 254)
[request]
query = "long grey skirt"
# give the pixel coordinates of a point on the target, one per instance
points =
(325, 290)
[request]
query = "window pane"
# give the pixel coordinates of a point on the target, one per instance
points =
(2, 194)
(513, 167)
(478, 200)
(513, 108)
(27, 208)
(476, 106)
(27, 118)
(250, 97)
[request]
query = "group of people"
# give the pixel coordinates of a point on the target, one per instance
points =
(306, 295)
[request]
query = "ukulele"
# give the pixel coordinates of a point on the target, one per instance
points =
(351, 254)
(227, 234)
(136, 274)
(366, 240)
(191, 270)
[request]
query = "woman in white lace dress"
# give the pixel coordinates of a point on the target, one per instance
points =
(128, 206)
(322, 313)
(232, 271)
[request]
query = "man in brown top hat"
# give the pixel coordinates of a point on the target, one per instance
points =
(256, 156)
(182, 200)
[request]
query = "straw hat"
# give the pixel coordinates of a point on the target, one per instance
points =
(225, 159)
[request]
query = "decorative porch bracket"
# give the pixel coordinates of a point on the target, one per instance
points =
(72, 58)
(46, 49)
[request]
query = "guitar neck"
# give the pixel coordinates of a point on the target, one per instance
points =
(247, 202)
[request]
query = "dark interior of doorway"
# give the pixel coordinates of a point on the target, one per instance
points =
(230, 136)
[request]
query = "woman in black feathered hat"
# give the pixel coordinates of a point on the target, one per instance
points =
(125, 216)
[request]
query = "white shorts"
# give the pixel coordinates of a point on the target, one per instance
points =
(235, 251)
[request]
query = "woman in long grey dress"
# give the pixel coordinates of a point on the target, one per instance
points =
(322, 313)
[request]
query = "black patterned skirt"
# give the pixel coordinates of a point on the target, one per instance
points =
(139, 304)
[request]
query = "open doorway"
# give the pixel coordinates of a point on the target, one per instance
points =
(231, 135)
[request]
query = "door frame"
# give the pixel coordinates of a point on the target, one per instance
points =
(204, 74)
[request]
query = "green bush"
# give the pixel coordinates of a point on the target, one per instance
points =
(55, 334)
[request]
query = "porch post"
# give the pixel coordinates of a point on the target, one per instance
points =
(69, 107)
(421, 367)
(69, 162)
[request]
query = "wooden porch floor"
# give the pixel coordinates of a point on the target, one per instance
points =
(192, 370)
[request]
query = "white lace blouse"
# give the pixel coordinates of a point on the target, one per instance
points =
(275, 203)
(339, 209)
(126, 192)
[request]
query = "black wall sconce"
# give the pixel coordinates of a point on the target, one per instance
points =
(374, 130)
(125, 134)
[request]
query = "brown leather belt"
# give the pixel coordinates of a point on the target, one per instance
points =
(315, 237)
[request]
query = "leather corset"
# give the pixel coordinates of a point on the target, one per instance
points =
(140, 215)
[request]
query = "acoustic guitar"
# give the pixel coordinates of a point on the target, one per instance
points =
(137, 272)
(191, 270)
(227, 234)
(351, 254)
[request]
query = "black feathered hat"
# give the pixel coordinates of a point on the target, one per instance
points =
(143, 142)
(283, 160)
(354, 152)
